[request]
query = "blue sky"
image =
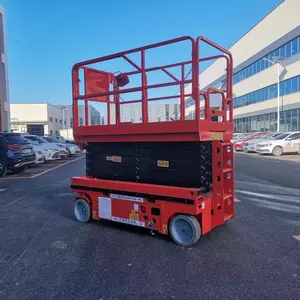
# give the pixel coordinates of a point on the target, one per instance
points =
(45, 38)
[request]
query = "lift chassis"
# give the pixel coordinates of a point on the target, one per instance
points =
(185, 212)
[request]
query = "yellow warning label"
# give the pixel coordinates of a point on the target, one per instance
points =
(217, 136)
(163, 163)
(134, 215)
(114, 158)
(165, 229)
(117, 159)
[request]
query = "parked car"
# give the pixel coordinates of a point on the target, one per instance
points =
(250, 145)
(288, 142)
(40, 154)
(238, 136)
(60, 138)
(71, 148)
(16, 153)
(82, 146)
(53, 151)
(238, 145)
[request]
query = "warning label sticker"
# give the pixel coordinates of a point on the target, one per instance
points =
(134, 215)
(114, 158)
(128, 221)
(163, 163)
(128, 198)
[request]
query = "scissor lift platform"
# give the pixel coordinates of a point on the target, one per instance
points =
(185, 212)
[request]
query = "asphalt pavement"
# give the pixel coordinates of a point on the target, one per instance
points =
(46, 254)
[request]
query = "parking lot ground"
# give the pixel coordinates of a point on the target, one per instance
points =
(40, 169)
(286, 157)
(46, 254)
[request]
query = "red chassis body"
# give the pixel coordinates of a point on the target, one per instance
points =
(148, 205)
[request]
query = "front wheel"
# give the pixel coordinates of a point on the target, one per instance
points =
(185, 230)
(3, 168)
(277, 151)
(82, 210)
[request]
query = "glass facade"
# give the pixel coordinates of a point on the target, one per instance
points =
(287, 50)
(289, 121)
(289, 86)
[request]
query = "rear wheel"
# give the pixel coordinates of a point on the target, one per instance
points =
(185, 230)
(277, 151)
(82, 210)
(3, 168)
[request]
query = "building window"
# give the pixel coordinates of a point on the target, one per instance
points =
(50, 119)
(57, 132)
(291, 85)
(289, 49)
(60, 121)
(51, 132)
(55, 120)
(289, 121)
(65, 122)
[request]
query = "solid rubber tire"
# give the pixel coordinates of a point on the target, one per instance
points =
(86, 217)
(193, 222)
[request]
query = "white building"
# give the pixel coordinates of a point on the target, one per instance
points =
(4, 93)
(94, 115)
(40, 118)
(156, 113)
(275, 39)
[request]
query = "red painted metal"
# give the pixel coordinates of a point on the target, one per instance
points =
(171, 75)
(140, 188)
(132, 63)
(202, 126)
(96, 82)
(182, 95)
(150, 196)
(211, 209)
(144, 89)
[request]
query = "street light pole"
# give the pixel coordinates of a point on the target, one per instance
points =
(278, 90)
(278, 96)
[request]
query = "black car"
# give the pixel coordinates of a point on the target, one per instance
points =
(16, 153)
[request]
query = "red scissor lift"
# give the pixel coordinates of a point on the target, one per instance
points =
(184, 212)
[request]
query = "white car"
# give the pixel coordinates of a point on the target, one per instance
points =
(44, 155)
(53, 152)
(288, 142)
(39, 154)
(72, 149)
(250, 146)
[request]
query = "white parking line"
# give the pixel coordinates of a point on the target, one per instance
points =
(2, 190)
(44, 172)
(236, 200)
(56, 167)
